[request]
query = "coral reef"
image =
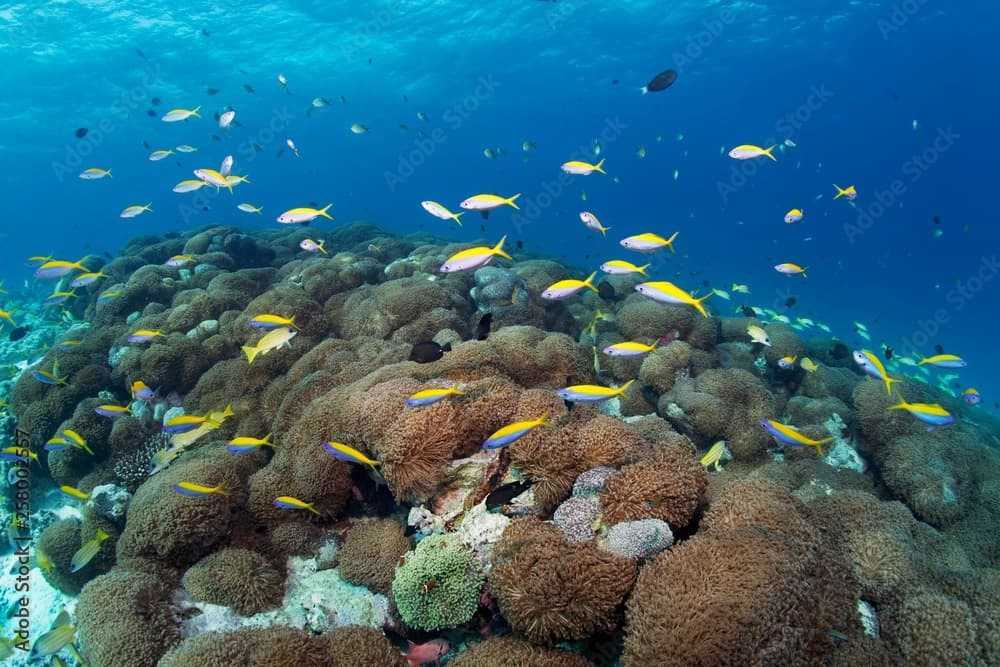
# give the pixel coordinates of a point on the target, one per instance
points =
(511, 652)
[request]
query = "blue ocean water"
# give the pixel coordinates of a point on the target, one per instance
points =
(885, 96)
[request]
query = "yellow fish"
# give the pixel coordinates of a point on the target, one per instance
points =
(74, 492)
(175, 115)
(758, 335)
(580, 168)
(749, 151)
(271, 341)
(87, 552)
(474, 257)
(848, 192)
(808, 364)
(94, 173)
(592, 393)
(713, 457)
(427, 397)
(6, 315)
(666, 292)
(291, 503)
(196, 490)
(347, 453)
(271, 321)
(742, 289)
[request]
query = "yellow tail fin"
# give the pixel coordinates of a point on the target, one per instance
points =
(597, 167)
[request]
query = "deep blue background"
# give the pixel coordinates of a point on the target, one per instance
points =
(497, 74)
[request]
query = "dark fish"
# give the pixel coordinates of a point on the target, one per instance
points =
(81, 132)
(204, 33)
(485, 214)
(142, 55)
(17, 333)
(172, 235)
(605, 290)
(216, 137)
(937, 219)
(151, 113)
(502, 495)
(482, 228)
(212, 91)
(369, 61)
(483, 328)
(108, 255)
(614, 82)
(888, 353)
(145, 144)
(790, 301)
(839, 351)
(424, 353)
(661, 81)
(939, 349)
(747, 311)
(247, 87)
(155, 101)
(519, 244)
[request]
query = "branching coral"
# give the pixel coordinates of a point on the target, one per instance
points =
(552, 590)
(237, 578)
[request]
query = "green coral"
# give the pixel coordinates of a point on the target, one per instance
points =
(437, 585)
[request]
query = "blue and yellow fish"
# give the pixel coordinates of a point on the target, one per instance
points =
(513, 432)
(427, 397)
(592, 393)
(931, 414)
(784, 434)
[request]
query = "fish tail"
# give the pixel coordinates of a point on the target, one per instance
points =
(697, 303)
(622, 389)
(642, 269)
(604, 230)
(251, 352)
(589, 282)
(840, 192)
(323, 211)
(456, 216)
(498, 248)
(510, 201)
(321, 248)
(195, 112)
(267, 440)
(309, 506)
(888, 386)
(109, 173)
(644, 90)
(767, 152)
(597, 167)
